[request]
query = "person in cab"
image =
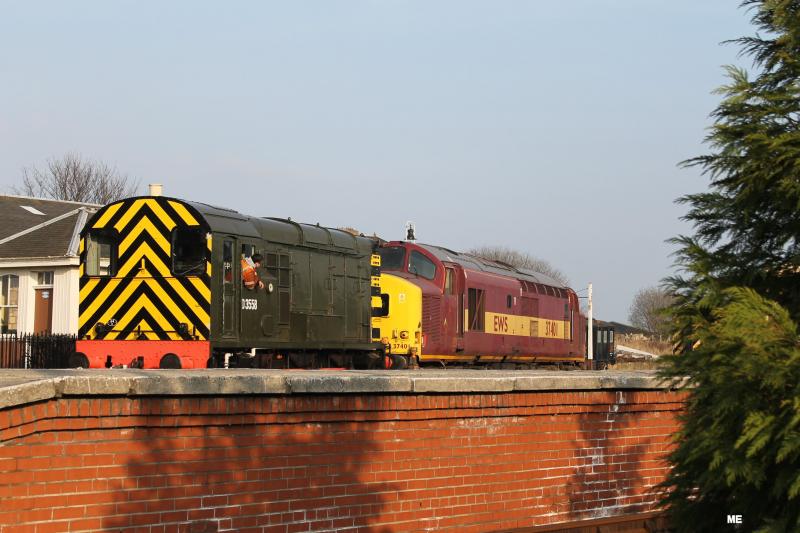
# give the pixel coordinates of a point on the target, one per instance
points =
(250, 276)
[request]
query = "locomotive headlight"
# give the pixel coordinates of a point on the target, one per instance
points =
(403, 334)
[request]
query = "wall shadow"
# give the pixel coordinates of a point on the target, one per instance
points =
(267, 463)
(615, 471)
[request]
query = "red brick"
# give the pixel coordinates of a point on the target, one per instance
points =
(336, 462)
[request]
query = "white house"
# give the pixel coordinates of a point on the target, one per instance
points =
(39, 264)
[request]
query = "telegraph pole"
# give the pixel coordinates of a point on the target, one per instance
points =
(590, 329)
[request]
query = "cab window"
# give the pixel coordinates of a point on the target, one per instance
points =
(421, 266)
(188, 251)
(101, 254)
(448, 281)
(392, 257)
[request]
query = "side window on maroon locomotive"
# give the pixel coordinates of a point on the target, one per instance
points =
(421, 266)
(449, 279)
(475, 309)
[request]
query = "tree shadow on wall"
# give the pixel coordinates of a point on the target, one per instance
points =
(248, 464)
(615, 472)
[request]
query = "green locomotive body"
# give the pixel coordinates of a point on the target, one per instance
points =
(312, 307)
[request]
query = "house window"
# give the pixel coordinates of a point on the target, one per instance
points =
(9, 299)
(44, 278)
(101, 254)
(188, 251)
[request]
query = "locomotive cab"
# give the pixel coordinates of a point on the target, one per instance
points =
(145, 294)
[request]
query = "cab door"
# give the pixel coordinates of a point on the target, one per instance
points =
(230, 289)
(253, 304)
(450, 303)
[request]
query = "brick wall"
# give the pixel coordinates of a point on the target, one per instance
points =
(285, 463)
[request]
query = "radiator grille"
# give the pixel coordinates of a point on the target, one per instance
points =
(432, 318)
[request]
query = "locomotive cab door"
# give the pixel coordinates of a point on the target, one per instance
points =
(452, 304)
(230, 289)
(255, 305)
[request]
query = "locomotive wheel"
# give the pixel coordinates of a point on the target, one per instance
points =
(399, 362)
(78, 360)
(170, 361)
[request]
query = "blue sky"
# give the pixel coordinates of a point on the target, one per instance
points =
(551, 127)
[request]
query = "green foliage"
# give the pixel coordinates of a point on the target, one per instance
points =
(739, 448)
(738, 451)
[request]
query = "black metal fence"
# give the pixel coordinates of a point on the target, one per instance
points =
(36, 351)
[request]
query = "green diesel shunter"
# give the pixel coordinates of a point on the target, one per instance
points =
(174, 284)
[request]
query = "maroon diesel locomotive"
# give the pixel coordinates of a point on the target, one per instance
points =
(444, 306)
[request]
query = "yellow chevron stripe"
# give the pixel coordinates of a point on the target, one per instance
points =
(80, 271)
(173, 308)
(161, 214)
(88, 287)
(201, 314)
(143, 251)
(115, 305)
(110, 211)
(146, 330)
(98, 301)
(201, 287)
(160, 294)
(152, 204)
(144, 225)
(184, 213)
(208, 263)
(143, 302)
(133, 335)
(80, 247)
(129, 214)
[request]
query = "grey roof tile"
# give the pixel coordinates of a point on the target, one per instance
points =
(51, 240)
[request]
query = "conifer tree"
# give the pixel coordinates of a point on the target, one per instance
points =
(737, 303)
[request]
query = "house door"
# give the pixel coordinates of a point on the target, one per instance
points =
(43, 311)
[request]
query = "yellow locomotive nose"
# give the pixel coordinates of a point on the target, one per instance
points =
(400, 315)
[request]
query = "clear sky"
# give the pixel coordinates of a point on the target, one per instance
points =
(553, 128)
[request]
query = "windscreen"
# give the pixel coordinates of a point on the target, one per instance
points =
(392, 258)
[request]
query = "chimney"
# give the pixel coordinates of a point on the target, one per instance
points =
(155, 189)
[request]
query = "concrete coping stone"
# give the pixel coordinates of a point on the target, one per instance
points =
(20, 387)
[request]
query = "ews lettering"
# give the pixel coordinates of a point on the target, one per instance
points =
(500, 324)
